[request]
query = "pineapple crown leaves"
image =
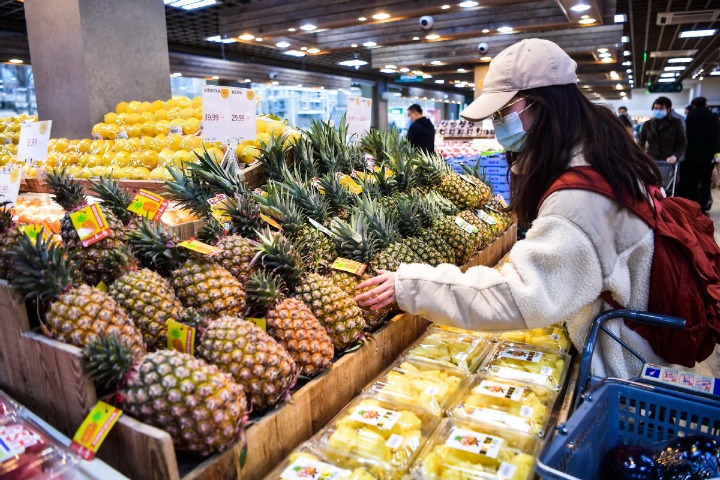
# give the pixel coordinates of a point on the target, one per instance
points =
(244, 213)
(374, 144)
(156, 249)
(280, 205)
(211, 232)
(303, 156)
(430, 168)
(427, 212)
(338, 196)
(475, 171)
(445, 206)
(114, 197)
(118, 262)
(67, 192)
(6, 216)
(403, 172)
(379, 226)
(277, 255)
(408, 213)
(188, 192)
(264, 289)
(108, 360)
(42, 269)
(273, 156)
(308, 199)
(210, 172)
(354, 240)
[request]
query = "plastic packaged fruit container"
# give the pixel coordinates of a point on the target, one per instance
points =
(378, 435)
(424, 384)
(466, 450)
(520, 361)
(451, 349)
(8, 406)
(26, 451)
(507, 404)
(553, 336)
(489, 336)
(309, 462)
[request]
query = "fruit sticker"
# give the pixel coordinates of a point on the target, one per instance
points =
(351, 266)
(309, 469)
(148, 205)
(501, 200)
(200, 247)
(94, 429)
(10, 179)
(320, 227)
(486, 217)
(15, 438)
(520, 354)
(467, 227)
(180, 337)
(500, 390)
(217, 210)
(376, 416)
(474, 442)
(90, 224)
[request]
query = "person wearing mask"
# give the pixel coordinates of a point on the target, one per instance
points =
(663, 136)
(421, 133)
(703, 142)
(579, 243)
(625, 120)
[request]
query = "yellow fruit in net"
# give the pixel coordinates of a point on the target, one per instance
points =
(110, 117)
(174, 113)
(160, 173)
(107, 159)
(276, 129)
(187, 112)
(133, 118)
(94, 160)
(191, 126)
(146, 143)
(122, 159)
(172, 103)
(197, 101)
(149, 159)
(143, 107)
(190, 142)
(248, 154)
(96, 146)
(140, 173)
(61, 145)
(133, 107)
(84, 145)
(111, 131)
(121, 107)
(182, 157)
(183, 102)
(147, 117)
(198, 113)
(148, 129)
(166, 157)
(122, 119)
(263, 138)
(135, 159)
(132, 145)
(133, 131)
(160, 143)
(216, 152)
(161, 114)
(156, 105)
(51, 161)
(119, 145)
(162, 127)
(175, 142)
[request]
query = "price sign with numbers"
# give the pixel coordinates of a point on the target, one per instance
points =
(10, 178)
(34, 139)
(228, 113)
(359, 114)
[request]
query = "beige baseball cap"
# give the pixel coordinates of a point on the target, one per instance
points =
(530, 63)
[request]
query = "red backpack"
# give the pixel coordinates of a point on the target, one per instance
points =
(684, 279)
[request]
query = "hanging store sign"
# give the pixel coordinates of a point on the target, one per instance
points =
(228, 114)
(409, 79)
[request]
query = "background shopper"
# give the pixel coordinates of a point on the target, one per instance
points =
(663, 136)
(421, 133)
(703, 142)
(625, 120)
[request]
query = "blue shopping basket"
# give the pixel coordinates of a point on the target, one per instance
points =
(621, 412)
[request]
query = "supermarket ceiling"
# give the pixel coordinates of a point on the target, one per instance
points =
(616, 43)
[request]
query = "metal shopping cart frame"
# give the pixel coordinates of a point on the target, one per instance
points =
(613, 412)
(669, 175)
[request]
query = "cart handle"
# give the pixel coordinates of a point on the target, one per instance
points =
(597, 325)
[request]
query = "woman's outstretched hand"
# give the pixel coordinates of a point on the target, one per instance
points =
(380, 296)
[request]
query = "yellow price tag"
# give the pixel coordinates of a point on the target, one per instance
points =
(348, 182)
(180, 337)
(260, 322)
(270, 221)
(351, 266)
(90, 224)
(200, 247)
(102, 286)
(148, 205)
(94, 429)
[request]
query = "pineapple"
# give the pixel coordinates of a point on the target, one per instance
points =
(244, 214)
(9, 237)
(291, 323)
(410, 221)
(69, 194)
(202, 408)
(462, 242)
(339, 314)
(274, 157)
(252, 357)
(338, 197)
(73, 313)
(198, 281)
(114, 198)
(464, 191)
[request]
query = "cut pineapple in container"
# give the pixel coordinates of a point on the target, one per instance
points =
(520, 361)
(308, 461)
(450, 349)
(465, 450)
(506, 403)
(425, 384)
(489, 336)
(380, 436)
(553, 336)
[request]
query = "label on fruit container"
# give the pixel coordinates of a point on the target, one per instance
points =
(351, 266)
(270, 221)
(547, 371)
(260, 322)
(148, 205)
(217, 210)
(94, 429)
(514, 374)
(15, 438)
(506, 470)
(309, 469)
(90, 224)
(10, 178)
(431, 391)
(500, 390)
(521, 354)
(526, 411)
(680, 379)
(474, 442)
(176, 129)
(486, 217)
(180, 337)
(200, 247)
(34, 140)
(394, 441)
(375, 416)
(496, 416)
(228, 113)
(320, 227)
(468, 227)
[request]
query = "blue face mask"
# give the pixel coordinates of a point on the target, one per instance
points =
(509, 131)
(659, 114)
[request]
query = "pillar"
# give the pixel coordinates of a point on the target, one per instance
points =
(480, 72)
(88, 55)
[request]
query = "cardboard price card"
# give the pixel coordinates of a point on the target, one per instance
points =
(10, 178)
(359, 115)
(90, 224)
(228, 113)
(350, 266)
(200, 247)
(260, 322)
(180, 337)
(94, 429)
(34, 139)
(148, 205)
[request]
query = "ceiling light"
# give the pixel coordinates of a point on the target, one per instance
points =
(585, 16)
(666, 80)
(381, 16)
(432, 36)
(282, 44)
(445, 7)
(676, 68)
(215, 77)
(292, 29)
(295, 53)
(16, 61)
(630, 77)
(715, 72)
(623, 94)
(586, 86)
(607, 60)
(218, 39)
(390, 67)
(586, 21)
(189, 4)
(627, 53)
(354, 45)
(176, 74)
(505, 29)
(605, 55)
(440, 82)
(697, 33)
(362, 19)
(485, 30)
(276, 83)
(355, 62)
(259, 39)
(299, 85)
(467, 4)
(614, 75)
(668, 75)
(303, 48)
(313, 50)
(619, 86)
(624, 39)
(580, 7)
(404, 70)
(387, 70)
(247, 36)
(461, 70)
(436, 62)
(485, 59)
(416, 38)
(247, 80)
(369, 44)
(627, 64)
(629, 70)
(419, 73)
(620, 18)
(308, 27)
(427, 75)
(680, 60)
(602, 50)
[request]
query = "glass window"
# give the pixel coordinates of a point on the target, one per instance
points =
(18, 90)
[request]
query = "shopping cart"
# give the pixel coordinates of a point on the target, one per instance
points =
(614, 412)
(669, 175)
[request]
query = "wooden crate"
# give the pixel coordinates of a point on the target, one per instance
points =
(492, 254)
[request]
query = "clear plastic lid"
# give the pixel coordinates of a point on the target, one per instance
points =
(506, 403)
(467, 450)
(553, 336)
(489, 336)
(8, 406)
(528, 363)
(309, 462)
(451, 349)
(379, 435)
(26, 451)
(425, 384)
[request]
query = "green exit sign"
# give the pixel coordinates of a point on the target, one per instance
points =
(409, 79)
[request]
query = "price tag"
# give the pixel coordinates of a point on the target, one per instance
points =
(200, 247)
(351, 266)
(260, 322)
(90, 225)
(94, 429)
(348, 182)
(270, 221)
(228, 113)
(486, 217)
(96, 136)
(180, 337)
(217, 209)
(320, 227)
(34, 139)
(10, 178)
(359, 114)
(33, 230)
(148, 205)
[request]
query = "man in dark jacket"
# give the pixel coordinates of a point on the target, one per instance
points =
(703, 142)
(421, 133)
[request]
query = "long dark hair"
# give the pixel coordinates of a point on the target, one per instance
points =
(564, 120)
